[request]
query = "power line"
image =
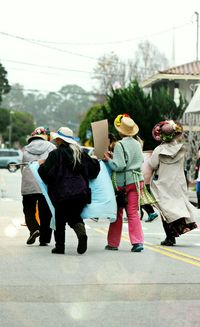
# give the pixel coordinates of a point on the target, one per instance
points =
(97, 43)
(49, 67)
(47, 46)
(42, 42)
(54, 68)
(36, 72)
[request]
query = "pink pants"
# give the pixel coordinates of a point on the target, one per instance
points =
(134, 223)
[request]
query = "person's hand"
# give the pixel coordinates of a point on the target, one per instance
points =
(106, 156)
(41, 161)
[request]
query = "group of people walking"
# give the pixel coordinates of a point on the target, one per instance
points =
(67, 170)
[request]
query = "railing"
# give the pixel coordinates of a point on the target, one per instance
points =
(191, 122)
(190, 119)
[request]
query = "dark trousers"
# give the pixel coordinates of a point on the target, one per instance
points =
(148, 208)
(68, 211)
(29, 207)
(198, 200)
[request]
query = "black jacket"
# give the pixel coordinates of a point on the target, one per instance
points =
(66, 181)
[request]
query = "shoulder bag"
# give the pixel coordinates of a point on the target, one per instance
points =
(121, 194)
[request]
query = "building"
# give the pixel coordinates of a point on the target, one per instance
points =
(183, 79)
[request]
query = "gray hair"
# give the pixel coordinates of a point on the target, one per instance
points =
(76, 149)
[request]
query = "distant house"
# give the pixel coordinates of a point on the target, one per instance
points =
(184, 79)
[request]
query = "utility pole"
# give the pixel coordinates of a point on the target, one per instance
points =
(173, 47)
(197, 41)
(10, 130)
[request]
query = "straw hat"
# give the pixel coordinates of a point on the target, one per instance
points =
(125, 125)
(65, 134)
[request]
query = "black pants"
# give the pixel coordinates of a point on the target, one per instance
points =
(29, 207)
(68, 211)
(148, 208)
(198, 200)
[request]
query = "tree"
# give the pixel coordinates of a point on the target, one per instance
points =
(148, 60)
(66, 106)
(21, 125)
(4, 120)
(146, 111)
(14, 100)
(95, 113)
(109, 69)
(4, 85)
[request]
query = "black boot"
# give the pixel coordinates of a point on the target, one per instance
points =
(169, 241)
(82, 237)
(60, 242)
(58, 249)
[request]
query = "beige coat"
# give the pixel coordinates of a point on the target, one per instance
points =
(168, 183)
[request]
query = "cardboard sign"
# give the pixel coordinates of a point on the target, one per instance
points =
(100, 137)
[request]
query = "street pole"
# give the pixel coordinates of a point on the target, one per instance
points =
(197, 40)
(10, 130)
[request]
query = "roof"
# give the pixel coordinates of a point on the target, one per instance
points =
(192, 68)
(189, 71)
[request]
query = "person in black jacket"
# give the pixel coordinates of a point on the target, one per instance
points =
(66, 172)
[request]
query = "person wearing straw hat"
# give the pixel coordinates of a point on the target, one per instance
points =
(126, 164)
(168, 184)
(67, 171)
(38, 148)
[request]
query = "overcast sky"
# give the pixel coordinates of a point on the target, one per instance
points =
(71, 35)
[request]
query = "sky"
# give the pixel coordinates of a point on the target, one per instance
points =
(46, 44)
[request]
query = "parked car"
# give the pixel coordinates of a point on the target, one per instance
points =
(10, 158)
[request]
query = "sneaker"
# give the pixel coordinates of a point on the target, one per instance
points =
(138, 247)
(112, 248)
(33, 237)
(169, 241)
(151, 217)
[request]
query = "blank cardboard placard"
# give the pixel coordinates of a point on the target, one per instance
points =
(100, 137)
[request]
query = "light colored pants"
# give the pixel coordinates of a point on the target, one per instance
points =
(134, 223)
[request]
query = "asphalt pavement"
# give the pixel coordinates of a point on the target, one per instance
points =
(159, 287)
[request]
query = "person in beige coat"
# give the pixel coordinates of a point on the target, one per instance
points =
(168, 183)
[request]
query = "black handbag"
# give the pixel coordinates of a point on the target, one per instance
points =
(121, 198)
(121, 194)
